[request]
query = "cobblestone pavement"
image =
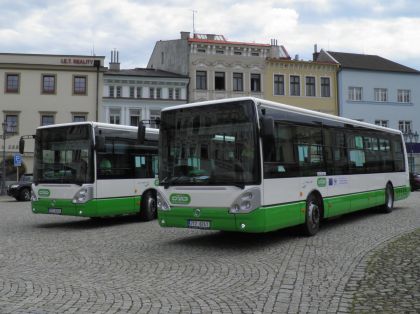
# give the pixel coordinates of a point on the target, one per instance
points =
(54, 264)
(389, 280)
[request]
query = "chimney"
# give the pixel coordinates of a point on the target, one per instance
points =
(114, 65)
(296, 58)
(316, 53)
(274, 49)
(185, 35)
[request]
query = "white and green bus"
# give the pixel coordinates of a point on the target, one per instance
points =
(91, 169)
(251, 165)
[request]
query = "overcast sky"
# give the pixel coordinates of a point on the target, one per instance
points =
(389, 28)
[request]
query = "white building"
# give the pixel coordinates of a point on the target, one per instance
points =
(138, 94)
(41, 89)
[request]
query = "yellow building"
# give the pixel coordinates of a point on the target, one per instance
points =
(305, 84)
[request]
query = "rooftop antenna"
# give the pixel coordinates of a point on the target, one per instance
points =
(193, 13)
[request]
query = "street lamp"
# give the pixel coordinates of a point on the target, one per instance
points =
(411, 138)
(3, 175)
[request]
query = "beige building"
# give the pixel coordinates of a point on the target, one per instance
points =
(39, 89)
(217, 68)
(306, 84)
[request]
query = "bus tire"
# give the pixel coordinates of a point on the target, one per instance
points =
(312, 215)
(148, 208)
(389, 199)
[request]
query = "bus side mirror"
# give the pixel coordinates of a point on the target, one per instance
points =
(21, 146)
(141, 133)
(267, 127)
(100, 143)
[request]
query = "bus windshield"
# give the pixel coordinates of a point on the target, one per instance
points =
(64, 155)
(210, 145)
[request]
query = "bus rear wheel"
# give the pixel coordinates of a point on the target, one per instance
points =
(148, 208)
(389, 199)
(312, 215)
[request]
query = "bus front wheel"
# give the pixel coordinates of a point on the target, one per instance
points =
(389, 199)
(148, 207)
(312, 216)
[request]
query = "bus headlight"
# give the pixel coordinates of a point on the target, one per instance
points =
(161, 203)
(33, 196)
(246, 202)
(83, 195)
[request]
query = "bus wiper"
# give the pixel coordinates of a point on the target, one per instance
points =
(239, 185)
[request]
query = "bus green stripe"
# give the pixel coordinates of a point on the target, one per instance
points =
(275, 217)
(92, 208)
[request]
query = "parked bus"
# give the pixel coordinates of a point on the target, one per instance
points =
(251, 165)
(91, 169)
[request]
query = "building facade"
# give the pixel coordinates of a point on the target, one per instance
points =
(217, 68)
(139, 94)
(379, 91)
(305, 84)
(40, 89)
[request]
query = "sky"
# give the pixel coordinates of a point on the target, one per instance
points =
(388, 28)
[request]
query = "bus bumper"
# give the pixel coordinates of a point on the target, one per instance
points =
(64, 207)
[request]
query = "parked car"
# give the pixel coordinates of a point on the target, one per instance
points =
(415, 181)
(21, 190)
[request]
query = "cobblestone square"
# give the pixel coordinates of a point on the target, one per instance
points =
(55, 264)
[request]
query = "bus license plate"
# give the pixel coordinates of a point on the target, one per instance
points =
(199, 224)
(55, 211)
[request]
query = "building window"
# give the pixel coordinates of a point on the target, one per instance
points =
(12, 123)
(238, 82)
(325, 87)
(404, 126)
(220, 52)
(382, 123)
(151, 92)
(255, 83)
(381, 94)
(294, 85)
(355, 93)
(47, 119)
(154, 118)
(111, 91)
(310, 86)
(12, 83)
(119, 91)
(404, 96)
(135, 117)
(158, 93)
(170, 93)
(255, 54)
(80, 85)
(201, 80)
(177, 93)
(201, 50)
(237, 53)
(79, 117)
(219, 80)
(48, 84)
(138, 90)
(131, 91)
(114, 116)
(278, 84)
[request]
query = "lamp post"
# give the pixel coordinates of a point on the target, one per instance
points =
(3, 175)
(411, 138)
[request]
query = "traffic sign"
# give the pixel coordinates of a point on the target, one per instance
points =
(17, 158)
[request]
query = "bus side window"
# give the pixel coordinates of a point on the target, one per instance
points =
(140, 165)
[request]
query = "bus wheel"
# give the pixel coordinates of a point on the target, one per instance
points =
(148, 209)
(312, 216)
(389, 199)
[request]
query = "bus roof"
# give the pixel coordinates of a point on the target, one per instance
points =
(287, 108)
(102, 126)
